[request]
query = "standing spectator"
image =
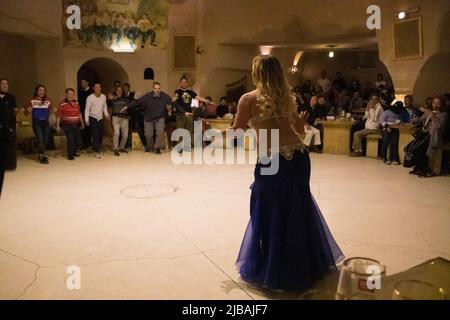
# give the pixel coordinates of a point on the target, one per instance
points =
(119, 120)
(368, 91)
(373, 121)
(71, 120)
(8, 147)
(222, 108)
(393, 115)
(324, 83)
(380, 81)
(339, 83)
(40, 107)
(96, 109)
(155, 104)
(318, 111)
(308, 90)
(83, 92)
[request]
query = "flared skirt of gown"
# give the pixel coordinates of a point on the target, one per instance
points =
(287, 244)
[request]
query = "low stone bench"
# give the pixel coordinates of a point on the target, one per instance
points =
(435, 161)
(373, 142)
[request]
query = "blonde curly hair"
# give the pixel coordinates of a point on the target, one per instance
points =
(274, 97)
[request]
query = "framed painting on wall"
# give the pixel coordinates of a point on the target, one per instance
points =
(408, 42)
(184, 51)
(118, 25)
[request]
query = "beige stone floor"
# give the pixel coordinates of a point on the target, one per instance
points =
(183, 245)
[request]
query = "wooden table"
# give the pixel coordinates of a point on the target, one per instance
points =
(336, 136)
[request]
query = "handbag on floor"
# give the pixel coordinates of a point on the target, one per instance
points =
(415, 149)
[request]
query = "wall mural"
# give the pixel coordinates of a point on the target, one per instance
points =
(119, 25)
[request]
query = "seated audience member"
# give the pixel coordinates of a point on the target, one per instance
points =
(318, 112)
(233, 108)
(428, 104)
(222, 108)
(323, 105)
(433, 125)
(413, 111)
(373, 120)
(356, 104)
(341, 106)
(312, 134)
(232, 111)
(299, 98)
(210, 108)
(393, 115)
(447, 127)
(355, 86)
(205, 110)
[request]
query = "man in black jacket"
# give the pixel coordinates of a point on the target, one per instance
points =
(155, 105)
(83, 92)
(8, 146)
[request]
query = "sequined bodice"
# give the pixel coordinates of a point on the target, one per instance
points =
(289, 141)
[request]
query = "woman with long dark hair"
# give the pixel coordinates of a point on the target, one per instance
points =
(40, 108)
(287, 244)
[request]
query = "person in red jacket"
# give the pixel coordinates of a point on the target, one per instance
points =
(71, 121)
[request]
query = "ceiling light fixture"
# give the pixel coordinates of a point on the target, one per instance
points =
(404, 14)
(331, 53)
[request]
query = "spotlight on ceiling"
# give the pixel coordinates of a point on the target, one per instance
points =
(294, 69)
(265, 50)
(404, 14)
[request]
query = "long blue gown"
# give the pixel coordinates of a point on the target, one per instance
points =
(287, 244)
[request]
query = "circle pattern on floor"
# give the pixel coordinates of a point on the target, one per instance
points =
(148, 191)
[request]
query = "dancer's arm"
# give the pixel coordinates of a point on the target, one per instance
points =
(300, 121)
(243, 113)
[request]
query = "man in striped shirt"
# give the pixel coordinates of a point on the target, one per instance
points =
(71, 120)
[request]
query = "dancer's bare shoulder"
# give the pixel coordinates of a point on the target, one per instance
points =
(245, 110)
(250, 96)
